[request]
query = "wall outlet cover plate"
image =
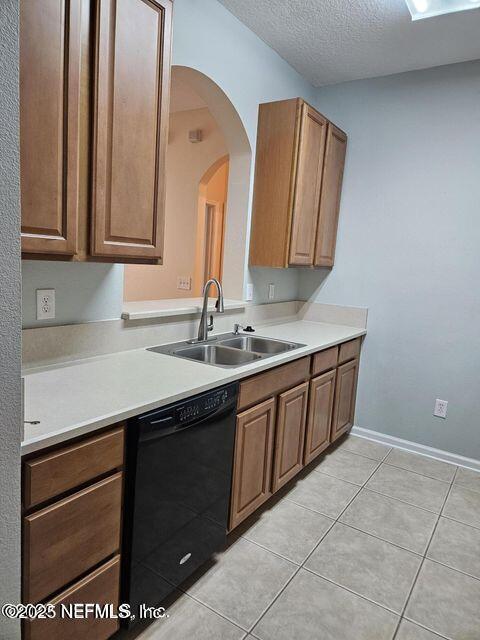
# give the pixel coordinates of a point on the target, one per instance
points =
(45, 304)
(440, 410)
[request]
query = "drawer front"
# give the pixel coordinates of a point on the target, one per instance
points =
(324, 360)
(99, 587)
(272, 382)
(349, 350)
(54, 473)
(66, 539)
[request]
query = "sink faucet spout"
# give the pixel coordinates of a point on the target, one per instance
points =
(204, 326)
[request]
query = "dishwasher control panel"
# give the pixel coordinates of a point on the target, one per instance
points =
(204, 404)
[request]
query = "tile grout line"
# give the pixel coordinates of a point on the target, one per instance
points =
(207, 606)
(362, 455)
(410, 504)
(466, 524)
(424, 475)
(324, 473)
(415, 580)
(302, 566)
(355, 484)
(336, 520)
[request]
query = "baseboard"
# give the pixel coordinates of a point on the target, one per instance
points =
(407, 445)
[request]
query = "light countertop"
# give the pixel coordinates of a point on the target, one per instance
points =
(78, 397)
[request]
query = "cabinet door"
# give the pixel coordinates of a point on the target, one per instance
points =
(308, 184)
(330, 198)
(345, 396)
(49, 124)
(290, 434)
(320, 410)
(132, 76)
(253, 460)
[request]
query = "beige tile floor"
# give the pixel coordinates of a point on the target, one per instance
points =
(368, 543)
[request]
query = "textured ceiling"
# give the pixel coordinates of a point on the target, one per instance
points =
(331, 41)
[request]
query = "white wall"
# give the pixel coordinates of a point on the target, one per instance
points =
(10, 411)
(210, 39)
(409, 249)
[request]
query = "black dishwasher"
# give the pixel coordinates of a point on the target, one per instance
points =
(177, 493)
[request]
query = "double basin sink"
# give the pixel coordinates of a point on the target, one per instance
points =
(228, 350)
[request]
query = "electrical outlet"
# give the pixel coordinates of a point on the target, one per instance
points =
(184, 282)
(45, 304)
(249, 293)
(440, 410)
(271, 291)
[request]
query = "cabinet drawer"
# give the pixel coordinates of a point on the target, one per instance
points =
(99, 587)
(349, 350)
(54, 473)
(324, 360)
(66, 539)
(272, 382)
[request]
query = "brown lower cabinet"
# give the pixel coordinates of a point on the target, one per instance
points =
(345, 395)
(72, 501)
(100, 587)
(320, 410)
(303, 407)
(290, 434)
(252, 468)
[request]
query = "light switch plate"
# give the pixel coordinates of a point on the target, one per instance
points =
(45, 304)
(184, 282)
(271, 291)
(249, 293)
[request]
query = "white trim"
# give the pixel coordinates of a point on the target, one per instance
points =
(414, 447)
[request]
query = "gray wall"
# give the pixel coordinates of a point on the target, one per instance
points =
(409, 249)
(10, 414)
(83, 291)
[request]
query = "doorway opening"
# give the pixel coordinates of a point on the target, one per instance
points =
(207, 196)
(212, 208)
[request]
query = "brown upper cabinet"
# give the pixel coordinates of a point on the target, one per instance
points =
(94, 128)
(298, 183)
(130, 127)
(50, 34)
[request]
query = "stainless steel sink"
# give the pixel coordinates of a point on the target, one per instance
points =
(216, 354)
(227, 350)
(259, 345)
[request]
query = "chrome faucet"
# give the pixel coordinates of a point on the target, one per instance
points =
(205, 326)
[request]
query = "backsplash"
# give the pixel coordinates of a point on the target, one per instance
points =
(44, 346)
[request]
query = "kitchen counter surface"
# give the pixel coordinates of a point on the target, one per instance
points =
(79, 397)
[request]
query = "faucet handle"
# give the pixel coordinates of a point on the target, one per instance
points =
(248, 328)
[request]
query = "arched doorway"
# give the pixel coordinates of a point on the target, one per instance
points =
(240, 156)
(200, 106)
(212, 211)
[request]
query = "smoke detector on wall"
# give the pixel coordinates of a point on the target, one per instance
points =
(195, 135)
